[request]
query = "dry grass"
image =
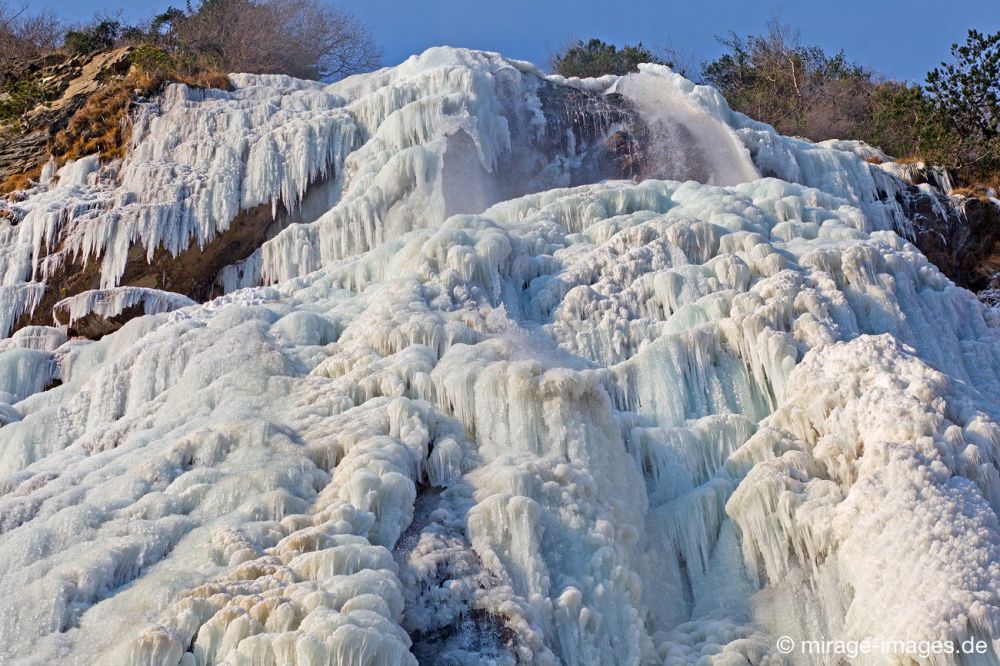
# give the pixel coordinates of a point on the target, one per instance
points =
(980, 192)
(215, 78)
(909, 159)
(101, 125)
(993, 182)
(150, 82)
(20, 181)
(872, 159)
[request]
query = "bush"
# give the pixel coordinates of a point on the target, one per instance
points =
(800, 90)
(20, 97)
(99, 37)
(904, 123)
(303, 38)
(596, 58)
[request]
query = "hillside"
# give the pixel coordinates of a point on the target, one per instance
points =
(461, 363)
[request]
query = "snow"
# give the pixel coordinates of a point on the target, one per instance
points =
(604, 422)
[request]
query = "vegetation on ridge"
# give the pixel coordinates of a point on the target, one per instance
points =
(597, 58)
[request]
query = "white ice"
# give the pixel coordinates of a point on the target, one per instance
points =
(655, 422)
(112, 302)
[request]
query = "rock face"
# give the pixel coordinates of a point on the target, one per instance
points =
(192, 272)
(965, 242)
(67, 82)
(959, 234)
(94, 314)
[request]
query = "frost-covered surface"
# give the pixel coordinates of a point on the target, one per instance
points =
(112, 302)
(613, 423)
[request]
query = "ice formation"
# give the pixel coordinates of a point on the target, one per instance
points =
(481, 410)
(112, 302)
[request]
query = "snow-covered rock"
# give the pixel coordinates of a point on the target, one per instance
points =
(103, 306)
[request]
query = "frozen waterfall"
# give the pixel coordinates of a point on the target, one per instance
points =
(495, 400)
(685, 141)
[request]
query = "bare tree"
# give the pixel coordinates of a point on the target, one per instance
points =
(24, 35)
(304, 38)
(799, 89)
(332, 39)
(682, 60)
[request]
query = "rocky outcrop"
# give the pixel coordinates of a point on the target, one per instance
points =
(94, 314)
(964, 242)
(191, 273)
(959, 234)
(63, 84)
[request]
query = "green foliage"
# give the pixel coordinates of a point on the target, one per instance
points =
(101, 36)
(597, 58)
(152, 58)
(798, 89)
(20, 96)
(904, 122)
(965, 95)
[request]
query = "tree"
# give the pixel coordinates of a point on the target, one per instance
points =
(966, 97)
(304, 38)
(24, 34)
(102, 35)
(798, 89)
(597, 58)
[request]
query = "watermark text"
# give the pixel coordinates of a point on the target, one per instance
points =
(854, 649)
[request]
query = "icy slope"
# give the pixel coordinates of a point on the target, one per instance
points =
(617, 422)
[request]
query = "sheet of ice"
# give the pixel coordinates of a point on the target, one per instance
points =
(686, 142)
(653, 422)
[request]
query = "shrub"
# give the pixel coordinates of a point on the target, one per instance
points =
(21, 96)
(151, 58)
(798, 89)
(596, 58)
(98, 37)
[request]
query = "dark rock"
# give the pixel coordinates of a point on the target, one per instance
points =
(958, 234)
(95, 326)
(191, 273)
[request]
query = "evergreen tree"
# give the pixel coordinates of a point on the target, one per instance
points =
(597, 58)
(966, 97)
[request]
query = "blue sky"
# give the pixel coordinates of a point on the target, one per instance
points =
(902, 38)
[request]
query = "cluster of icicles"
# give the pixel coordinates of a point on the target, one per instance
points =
(654, 422)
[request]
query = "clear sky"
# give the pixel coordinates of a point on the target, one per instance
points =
(901, 38)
